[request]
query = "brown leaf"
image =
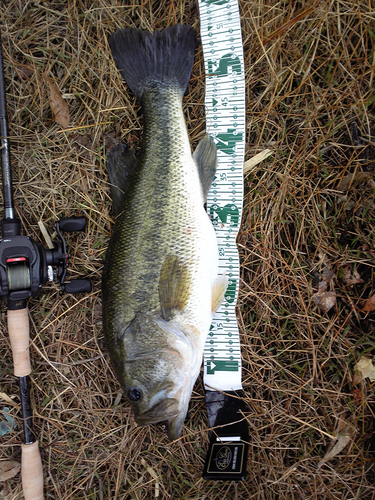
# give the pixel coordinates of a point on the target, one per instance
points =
(110, 140)
(97, 313)
(81, 139)
(351, 279)
(353, 179)
(366, 248)
(345, 433)
(338, 445)
(24, 71)
(366, 368)
(322, 286)
(369, 305)
(84, 185)
(7, 399)
(9, 469)
(325, 300)
(327, 274)
(356, 379)
(59, 107)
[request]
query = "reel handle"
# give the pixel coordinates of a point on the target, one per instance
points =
(73, 223)
(80, 285)
(31, 462)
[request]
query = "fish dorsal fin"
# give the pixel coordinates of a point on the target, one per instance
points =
(173, 287)
(218, 292)
(121, 166)
(205, 157)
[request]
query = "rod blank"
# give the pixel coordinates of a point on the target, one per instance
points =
(5, 156)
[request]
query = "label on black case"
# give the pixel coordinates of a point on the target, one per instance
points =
(226, 461)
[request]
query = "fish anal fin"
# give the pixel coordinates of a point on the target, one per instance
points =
(218, 292)
(173, 286)
(121, 166)
(205, 157)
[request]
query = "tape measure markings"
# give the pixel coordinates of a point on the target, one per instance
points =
(225, 121)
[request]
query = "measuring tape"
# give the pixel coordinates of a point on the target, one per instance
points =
(225, 118)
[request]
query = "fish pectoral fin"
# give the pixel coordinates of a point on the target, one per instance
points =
(218, 292)
(205, 157)
(121, 165)
(174, 286)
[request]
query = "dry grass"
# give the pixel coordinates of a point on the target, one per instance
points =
(310, 76)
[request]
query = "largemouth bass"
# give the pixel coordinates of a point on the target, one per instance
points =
(160, 280)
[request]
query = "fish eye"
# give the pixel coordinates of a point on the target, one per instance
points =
(134, 394)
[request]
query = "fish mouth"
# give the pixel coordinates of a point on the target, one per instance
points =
(165, 410)
(172, 411)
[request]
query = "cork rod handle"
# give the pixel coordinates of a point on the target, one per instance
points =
(18, 327)
(32, 472)
(31, 462)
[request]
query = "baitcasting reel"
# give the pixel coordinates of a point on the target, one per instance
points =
(25, 265)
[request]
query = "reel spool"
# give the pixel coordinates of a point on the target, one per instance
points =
(18, 276)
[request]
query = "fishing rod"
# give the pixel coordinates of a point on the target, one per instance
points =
(25, 266)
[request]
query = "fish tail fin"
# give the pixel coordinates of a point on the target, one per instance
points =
(145, 59)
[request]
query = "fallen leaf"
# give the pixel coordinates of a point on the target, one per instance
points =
(250, 164)
(369, 305)
(338, 445)
(7, 399)
(58, 105)
(322, 286)
(326, 277)
(345, 433)
(81, 139)
(9, 469)
(366, 248)
(325, 300)
(24, 71)
(357, 395)
(357, 379)
(349, 278)
(8, 424)
(5, 492)
(327, 274)
(349, 205)
(110, 140)
(84, 184)
(97, 313)
(366, 368)
(353, 179)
